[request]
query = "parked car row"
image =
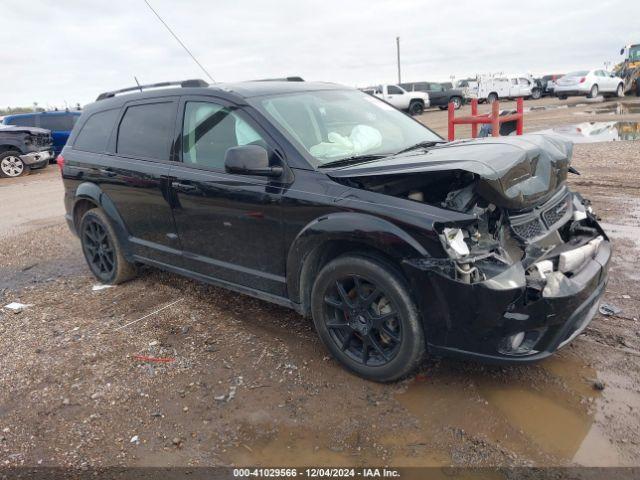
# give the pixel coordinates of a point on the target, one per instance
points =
(59, 123)
(412, 102)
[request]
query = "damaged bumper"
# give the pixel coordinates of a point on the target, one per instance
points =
(37, 159)
(511, 317)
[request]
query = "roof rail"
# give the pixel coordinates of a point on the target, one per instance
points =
(184, 84)
(283, 79)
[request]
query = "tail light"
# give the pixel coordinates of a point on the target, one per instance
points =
(583, 79)
(60, 162)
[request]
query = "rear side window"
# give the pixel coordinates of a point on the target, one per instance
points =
(96, 131)
(60, 123)
(27, 121)
(145, 129)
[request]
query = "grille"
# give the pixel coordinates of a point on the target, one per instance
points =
(555, 213)
(529, 229)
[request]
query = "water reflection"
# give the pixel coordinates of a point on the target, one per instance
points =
(591, 132)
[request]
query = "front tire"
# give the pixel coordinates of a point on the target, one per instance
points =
(536, 94)
(593, 93)
(492, 98)
(11, 165)
(457, 102)
(102, 251)
(416, 108)
(364, 315)
(620, 91)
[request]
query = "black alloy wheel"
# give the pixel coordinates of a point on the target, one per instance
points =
(98, 249)
(366, 317)
(362, 321)
(101, 249)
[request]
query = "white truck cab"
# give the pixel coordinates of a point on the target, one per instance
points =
(413, 102)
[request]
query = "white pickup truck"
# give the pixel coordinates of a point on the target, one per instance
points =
(413, 102)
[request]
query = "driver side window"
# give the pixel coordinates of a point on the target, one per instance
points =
(209, 130)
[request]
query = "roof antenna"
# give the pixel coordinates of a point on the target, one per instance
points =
(179, 41)
(137, 82)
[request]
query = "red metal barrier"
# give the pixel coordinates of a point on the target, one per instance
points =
(492, 118)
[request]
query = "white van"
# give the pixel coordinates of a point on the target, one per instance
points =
(491, 88)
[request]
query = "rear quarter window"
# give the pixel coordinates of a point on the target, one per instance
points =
(145, 129)
(96, 131)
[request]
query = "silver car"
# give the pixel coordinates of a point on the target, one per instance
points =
(590, 83)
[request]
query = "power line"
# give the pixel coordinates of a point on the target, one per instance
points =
(179, 41)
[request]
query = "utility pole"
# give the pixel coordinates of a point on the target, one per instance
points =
(398, 52)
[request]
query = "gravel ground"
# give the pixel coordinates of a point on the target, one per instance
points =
(246, 382)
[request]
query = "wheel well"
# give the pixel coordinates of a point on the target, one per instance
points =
(328, 251)
(5, 148)
(81, 207)
(416, 100)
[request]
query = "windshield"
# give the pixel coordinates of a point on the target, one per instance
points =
(634, 53)
(334, 125)
(580, 73)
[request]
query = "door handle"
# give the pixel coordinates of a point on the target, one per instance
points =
(183, 187)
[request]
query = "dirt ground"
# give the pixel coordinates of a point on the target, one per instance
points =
(248, 383)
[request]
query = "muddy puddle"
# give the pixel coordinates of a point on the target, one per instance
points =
(545, 413)
(592, 132)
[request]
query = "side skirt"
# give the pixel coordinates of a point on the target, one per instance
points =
(285, 302)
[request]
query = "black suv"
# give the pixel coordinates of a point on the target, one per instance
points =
(323, 199)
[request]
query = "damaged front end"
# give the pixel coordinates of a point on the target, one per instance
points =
(523, 275)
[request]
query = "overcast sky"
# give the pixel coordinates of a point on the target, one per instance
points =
(71, 50)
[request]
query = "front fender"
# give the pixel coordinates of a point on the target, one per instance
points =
(350, 227)
(13, 143)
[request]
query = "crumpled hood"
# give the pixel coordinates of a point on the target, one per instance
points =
(515, 172)
(31, 130)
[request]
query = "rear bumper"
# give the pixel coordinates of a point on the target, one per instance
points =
(37, 159)
(475, 320)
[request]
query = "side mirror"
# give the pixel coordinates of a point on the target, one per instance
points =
(250, 160)
(622, 51)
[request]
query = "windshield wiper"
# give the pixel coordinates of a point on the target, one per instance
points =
(352, 160)
(427, 144)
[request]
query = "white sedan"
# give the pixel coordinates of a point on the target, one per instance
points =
(590, 83)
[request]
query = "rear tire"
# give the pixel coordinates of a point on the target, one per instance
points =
(101, 249)
(11, 165)
(593, 93)
(364, 315)
(416, 108)
(562, 97)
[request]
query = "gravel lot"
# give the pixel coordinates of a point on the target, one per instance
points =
(247, 382)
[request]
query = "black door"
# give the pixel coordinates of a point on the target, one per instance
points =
(135, 176)
(229, 225)
(437, 95)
